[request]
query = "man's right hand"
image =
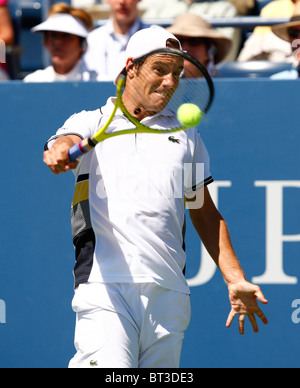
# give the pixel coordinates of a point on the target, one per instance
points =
(57, 157)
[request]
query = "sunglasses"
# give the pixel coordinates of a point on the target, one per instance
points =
(194, 41)
(294, 33)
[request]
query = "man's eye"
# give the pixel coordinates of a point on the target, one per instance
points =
(159, 70)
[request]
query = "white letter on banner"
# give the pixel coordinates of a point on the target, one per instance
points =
(2, 311)
(208, 267)
(274, 273)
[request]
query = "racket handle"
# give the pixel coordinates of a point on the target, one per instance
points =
(76, 151)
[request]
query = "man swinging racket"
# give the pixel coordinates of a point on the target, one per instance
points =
(132, 301)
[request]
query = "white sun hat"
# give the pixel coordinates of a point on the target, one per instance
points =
(63, 22)
(146, 40)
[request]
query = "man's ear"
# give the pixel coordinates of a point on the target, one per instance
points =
(130, 68)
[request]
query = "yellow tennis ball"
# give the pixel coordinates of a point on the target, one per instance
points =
(189, 115)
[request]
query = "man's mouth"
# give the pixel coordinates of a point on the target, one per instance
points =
(123, 11)
(165, 95)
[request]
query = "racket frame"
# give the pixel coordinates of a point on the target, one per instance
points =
(89, 143)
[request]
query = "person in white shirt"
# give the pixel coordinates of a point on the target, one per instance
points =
(131, 297)
(6, 38)
(290, 32)
(107, 44)
(65, 33)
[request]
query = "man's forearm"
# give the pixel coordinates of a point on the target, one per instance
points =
(226, 258)
(214, 234)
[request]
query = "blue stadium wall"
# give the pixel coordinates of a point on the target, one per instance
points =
(253, 136)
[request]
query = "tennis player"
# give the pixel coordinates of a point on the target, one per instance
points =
(132, 301)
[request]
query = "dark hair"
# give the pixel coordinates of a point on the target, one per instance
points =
(173, 43)
(78, 13)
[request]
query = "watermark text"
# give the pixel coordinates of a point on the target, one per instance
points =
(296, 312)
(2, 51)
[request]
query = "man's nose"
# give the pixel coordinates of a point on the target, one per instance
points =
(169, 80)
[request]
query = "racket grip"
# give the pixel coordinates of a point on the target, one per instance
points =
(76, 151)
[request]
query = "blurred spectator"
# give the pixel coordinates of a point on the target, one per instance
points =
(204, 8)
(262, 43)
(244, 7)
(107, 44)
(290, 32)
(83, 3)
(65, 32)
(6, 36)
(199, 39)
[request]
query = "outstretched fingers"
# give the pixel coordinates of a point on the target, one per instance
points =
(244, 298)
(242, 317)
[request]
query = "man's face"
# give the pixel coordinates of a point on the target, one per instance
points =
(124, 10)
(155, 82)
(197, 47)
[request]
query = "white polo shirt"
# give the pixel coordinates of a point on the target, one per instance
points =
(80, 72)
(128, 211)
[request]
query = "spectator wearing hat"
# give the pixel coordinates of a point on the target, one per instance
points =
(290, 32)
(199, 39)
(204, 8)
(65, 33)
(6, 36)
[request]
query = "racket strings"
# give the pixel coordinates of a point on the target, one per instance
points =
(173, 83)
(143, 92)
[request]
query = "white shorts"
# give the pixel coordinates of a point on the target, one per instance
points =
(129, 326)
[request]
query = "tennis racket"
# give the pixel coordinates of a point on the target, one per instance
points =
(149, 94)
